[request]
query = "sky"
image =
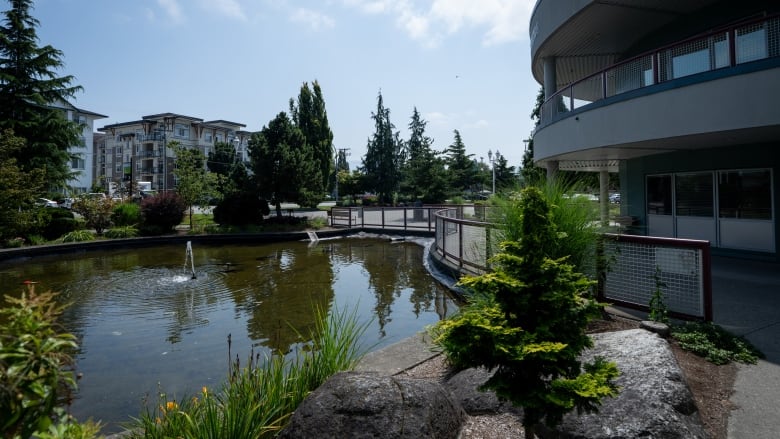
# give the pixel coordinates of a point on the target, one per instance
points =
(464, 64)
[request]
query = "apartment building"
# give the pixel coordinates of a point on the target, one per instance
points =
(82, 163)
(681, 99)
(139, 150)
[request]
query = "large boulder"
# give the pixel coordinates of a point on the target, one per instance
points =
(367, 405)
(654, 400)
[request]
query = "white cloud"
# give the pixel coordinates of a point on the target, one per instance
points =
(172, 9)
(430, 21)
(315, 20)
(228, 8)
(481, 123)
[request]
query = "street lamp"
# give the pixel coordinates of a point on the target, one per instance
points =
(493, 164)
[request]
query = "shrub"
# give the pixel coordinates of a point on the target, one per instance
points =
(122, 232)
(95, 211)
(35, 359)
(162, 212)
(530, 325)
(78, 236)
(715, 344)
(126, 214)
(240, 209)
(61, 221)
(36, 239)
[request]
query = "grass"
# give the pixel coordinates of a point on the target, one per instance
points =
(257, 400)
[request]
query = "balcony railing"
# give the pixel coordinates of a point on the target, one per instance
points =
(737, 44)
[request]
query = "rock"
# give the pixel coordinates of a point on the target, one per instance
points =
(464, 386)
(659, 328)
(364, 405)
(654, 400)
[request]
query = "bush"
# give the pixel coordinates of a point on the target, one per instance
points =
(61, 222)
(122, 232)
(78, 236)
(162, 212)
(240, 209)
(715, 344)
(126, 214)
(95, 211)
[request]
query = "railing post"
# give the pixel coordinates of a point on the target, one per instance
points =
(460, 244)
(404, 218)
(382, 209)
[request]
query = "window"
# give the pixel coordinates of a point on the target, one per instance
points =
(693, 194)
(208, 138)
(745, 194)
(77, 163)
(659, 195)
(182, 131)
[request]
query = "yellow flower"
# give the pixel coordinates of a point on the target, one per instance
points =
(194, 399)
(205, 390)
(158, 420)
(171, 405)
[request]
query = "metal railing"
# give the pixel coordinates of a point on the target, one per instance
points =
(737, 44)
(395, 218)
(635, 266)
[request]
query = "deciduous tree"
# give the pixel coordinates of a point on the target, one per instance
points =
(311, 118)
(195, 184)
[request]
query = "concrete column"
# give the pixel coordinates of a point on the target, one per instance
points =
(552, 169)
(604, 196)
(550, 77)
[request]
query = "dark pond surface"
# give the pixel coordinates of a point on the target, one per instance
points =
(145, 326)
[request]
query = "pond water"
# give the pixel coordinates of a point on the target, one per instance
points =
(145, 326)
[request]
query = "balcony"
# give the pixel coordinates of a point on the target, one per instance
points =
(697, 93)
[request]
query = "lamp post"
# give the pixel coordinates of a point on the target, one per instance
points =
(493, 165)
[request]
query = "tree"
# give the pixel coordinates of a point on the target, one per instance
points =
(224, 162)
(351, 184)
(311, 118)
(505, 175)
(527, 323)
(462, 169)
(96, 212)
(423, 173)
(195, 184)
(381, 164)
(18, 188)
(282, 164)
(29, 85)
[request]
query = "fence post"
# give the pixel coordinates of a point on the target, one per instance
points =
(404, 218)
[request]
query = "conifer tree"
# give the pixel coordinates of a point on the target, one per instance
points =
(462, 169)
(29, 85)
(423, 173)
(527, 323)
(310, 116)
(383, 159)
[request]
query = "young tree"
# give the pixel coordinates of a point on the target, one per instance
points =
(224, 162)
(195, 184)
(311, 118)
(461, 168)
(96, 212)
(18, 188)
(28, 86)
(283, 165)
(381, 164)
(529, 326)
(423, 173)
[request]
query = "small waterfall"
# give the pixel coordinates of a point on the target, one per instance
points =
(313, 238)
(189, 258)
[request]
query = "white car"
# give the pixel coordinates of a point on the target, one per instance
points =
(45, 202)
(67, 203)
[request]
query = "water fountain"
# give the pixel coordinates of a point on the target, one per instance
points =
(188, 257)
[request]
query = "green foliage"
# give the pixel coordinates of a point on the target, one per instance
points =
(241, 208)
(18, 189)
(162, 212)
(423, 176)
(78, 236)
(57, 222)
(317, 223)
(34, 362)
(462, 169)
(714, 343)
(658, 310)
(196, 185)
(36, 239)
(257, 400)
(126, 214)
(29, 86)
(311, 118)
(95, 211)
(383, 160)
(67, 427)
(529, 325)
(122, 232)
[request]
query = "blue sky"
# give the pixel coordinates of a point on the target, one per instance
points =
(463, 63)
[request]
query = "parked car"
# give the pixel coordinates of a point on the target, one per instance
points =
(45, 202)
(67, 203)
(615, 198)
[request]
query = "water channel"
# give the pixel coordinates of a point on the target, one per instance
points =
(146, 325)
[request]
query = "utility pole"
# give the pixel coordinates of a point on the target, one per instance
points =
(493, 164)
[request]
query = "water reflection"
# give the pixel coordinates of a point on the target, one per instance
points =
(143, 324)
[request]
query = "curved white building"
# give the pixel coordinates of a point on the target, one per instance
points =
(682, 98)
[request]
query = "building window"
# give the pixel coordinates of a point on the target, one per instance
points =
(693, 194)
(745, 194)
(77, 163)
(659, 195)
(182, 131)
(208, 138)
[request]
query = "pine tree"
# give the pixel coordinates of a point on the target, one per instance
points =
(381, 164)
(29, 85)
(423, 173)
(462, 169)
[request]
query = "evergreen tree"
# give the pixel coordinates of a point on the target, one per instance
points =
(18, 189)
(423, 173)
(531, 174)
(381, 164)
(462, 169)
(224, 161)
(505, 175)
(282, 164)
(28, 86)
(310, 117)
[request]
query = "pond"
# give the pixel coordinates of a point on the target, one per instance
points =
(145, 326)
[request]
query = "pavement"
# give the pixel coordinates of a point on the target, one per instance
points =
(746, 301)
